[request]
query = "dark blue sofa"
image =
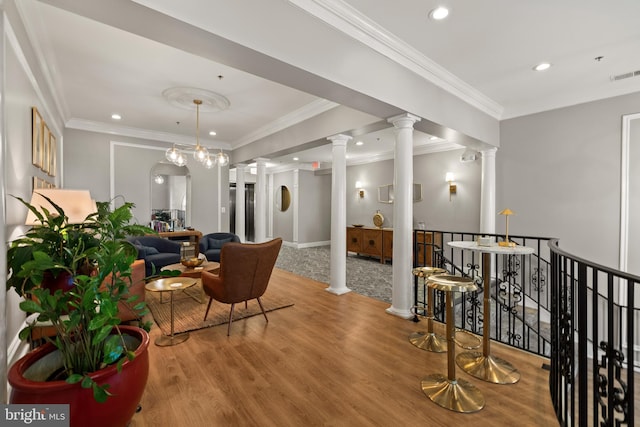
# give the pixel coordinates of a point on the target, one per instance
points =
(156, 252)
(211, 244)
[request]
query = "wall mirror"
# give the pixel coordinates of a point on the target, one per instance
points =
(385, 193)
(170, 197)
(283, 198)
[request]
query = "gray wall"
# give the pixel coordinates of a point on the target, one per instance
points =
(633, 252)
(314, 221)
(560, 172)
(283, 221)
(462, 213)
(87, 166)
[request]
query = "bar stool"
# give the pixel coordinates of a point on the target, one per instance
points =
(449, 392)
(428, 340)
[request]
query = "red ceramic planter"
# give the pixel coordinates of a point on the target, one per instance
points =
(126, 386)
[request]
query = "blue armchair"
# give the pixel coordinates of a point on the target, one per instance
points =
(156, 252)
(211, 244)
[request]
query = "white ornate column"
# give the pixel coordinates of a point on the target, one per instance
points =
(488, 191)
(240, 196)
(401, 295)
(260, 216)
(270, 202)
(296, 204)
(338, 276)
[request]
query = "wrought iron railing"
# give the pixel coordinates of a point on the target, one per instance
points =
(595, 333)
(519, 288)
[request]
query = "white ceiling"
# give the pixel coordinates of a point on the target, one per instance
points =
(489, 46)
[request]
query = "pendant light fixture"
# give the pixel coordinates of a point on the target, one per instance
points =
(200, 153)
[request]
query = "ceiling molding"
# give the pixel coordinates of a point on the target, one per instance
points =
(100, 127)
(350, 21)
(306, 112)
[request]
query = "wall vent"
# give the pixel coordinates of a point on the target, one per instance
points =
(625, 75)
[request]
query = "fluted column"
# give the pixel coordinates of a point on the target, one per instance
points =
(260, 217)
(488, 191)
(240, 196)
(338, 277)
(401, 296)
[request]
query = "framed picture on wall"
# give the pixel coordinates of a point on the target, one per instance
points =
(45, 148)
(37, 137)
(52, 154)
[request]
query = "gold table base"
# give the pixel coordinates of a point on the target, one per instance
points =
(429, 341)
(488, 368)
(456, 395)
(169, 340)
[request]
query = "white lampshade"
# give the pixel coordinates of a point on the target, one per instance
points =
(450, 177)
(76, 204)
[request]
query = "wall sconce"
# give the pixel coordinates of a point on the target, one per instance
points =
(360, 189)
(450, 177)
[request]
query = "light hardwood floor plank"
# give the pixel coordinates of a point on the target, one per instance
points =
(327, 361)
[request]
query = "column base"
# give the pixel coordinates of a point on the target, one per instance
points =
(338, 291)
(405, 314)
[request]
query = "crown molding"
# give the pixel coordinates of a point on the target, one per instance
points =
(350, 21)
(101, 127)
(308, 111)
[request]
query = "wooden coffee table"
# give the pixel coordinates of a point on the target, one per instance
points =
(195, 273)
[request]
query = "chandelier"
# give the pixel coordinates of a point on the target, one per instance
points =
(200, 153)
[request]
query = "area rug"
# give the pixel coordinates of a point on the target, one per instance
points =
(189, 313)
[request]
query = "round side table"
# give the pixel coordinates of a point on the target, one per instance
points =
(171, 285)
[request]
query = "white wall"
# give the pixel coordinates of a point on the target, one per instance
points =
(560, 172)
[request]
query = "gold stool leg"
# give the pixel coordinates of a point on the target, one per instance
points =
(429, 340)
(483, 365)
(454, 394)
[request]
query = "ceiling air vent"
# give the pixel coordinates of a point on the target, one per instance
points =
(625, 75)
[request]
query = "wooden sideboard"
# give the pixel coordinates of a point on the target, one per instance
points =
(378, 243)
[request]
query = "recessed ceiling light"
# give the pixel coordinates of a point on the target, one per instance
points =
(359, 143)
(295, 159)
(213, 133)
(542, 66)
(116, 116)
(439, 13)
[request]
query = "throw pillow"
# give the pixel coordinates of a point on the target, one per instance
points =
(150, 250)
(217, 243)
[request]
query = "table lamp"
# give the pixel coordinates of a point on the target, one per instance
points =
(507, 213)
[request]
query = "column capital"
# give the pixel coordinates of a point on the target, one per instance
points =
(339, 139)
(489, 152)
(241, 165)
(404, 120)
(261, 160)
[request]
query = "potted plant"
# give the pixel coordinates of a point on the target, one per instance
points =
(93, 349)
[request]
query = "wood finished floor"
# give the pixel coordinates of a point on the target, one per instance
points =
(327, 361)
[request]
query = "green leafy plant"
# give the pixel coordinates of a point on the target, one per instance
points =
(99, 258)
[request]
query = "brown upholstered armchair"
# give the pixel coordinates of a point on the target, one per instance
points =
(245, 269)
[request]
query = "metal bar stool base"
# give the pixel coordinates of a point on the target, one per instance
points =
(169, 340)
(488, 368)
(428, 341)
(457, 395)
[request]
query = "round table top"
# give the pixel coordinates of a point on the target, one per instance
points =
(195, 272)
(170, 284)
(494, 249)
